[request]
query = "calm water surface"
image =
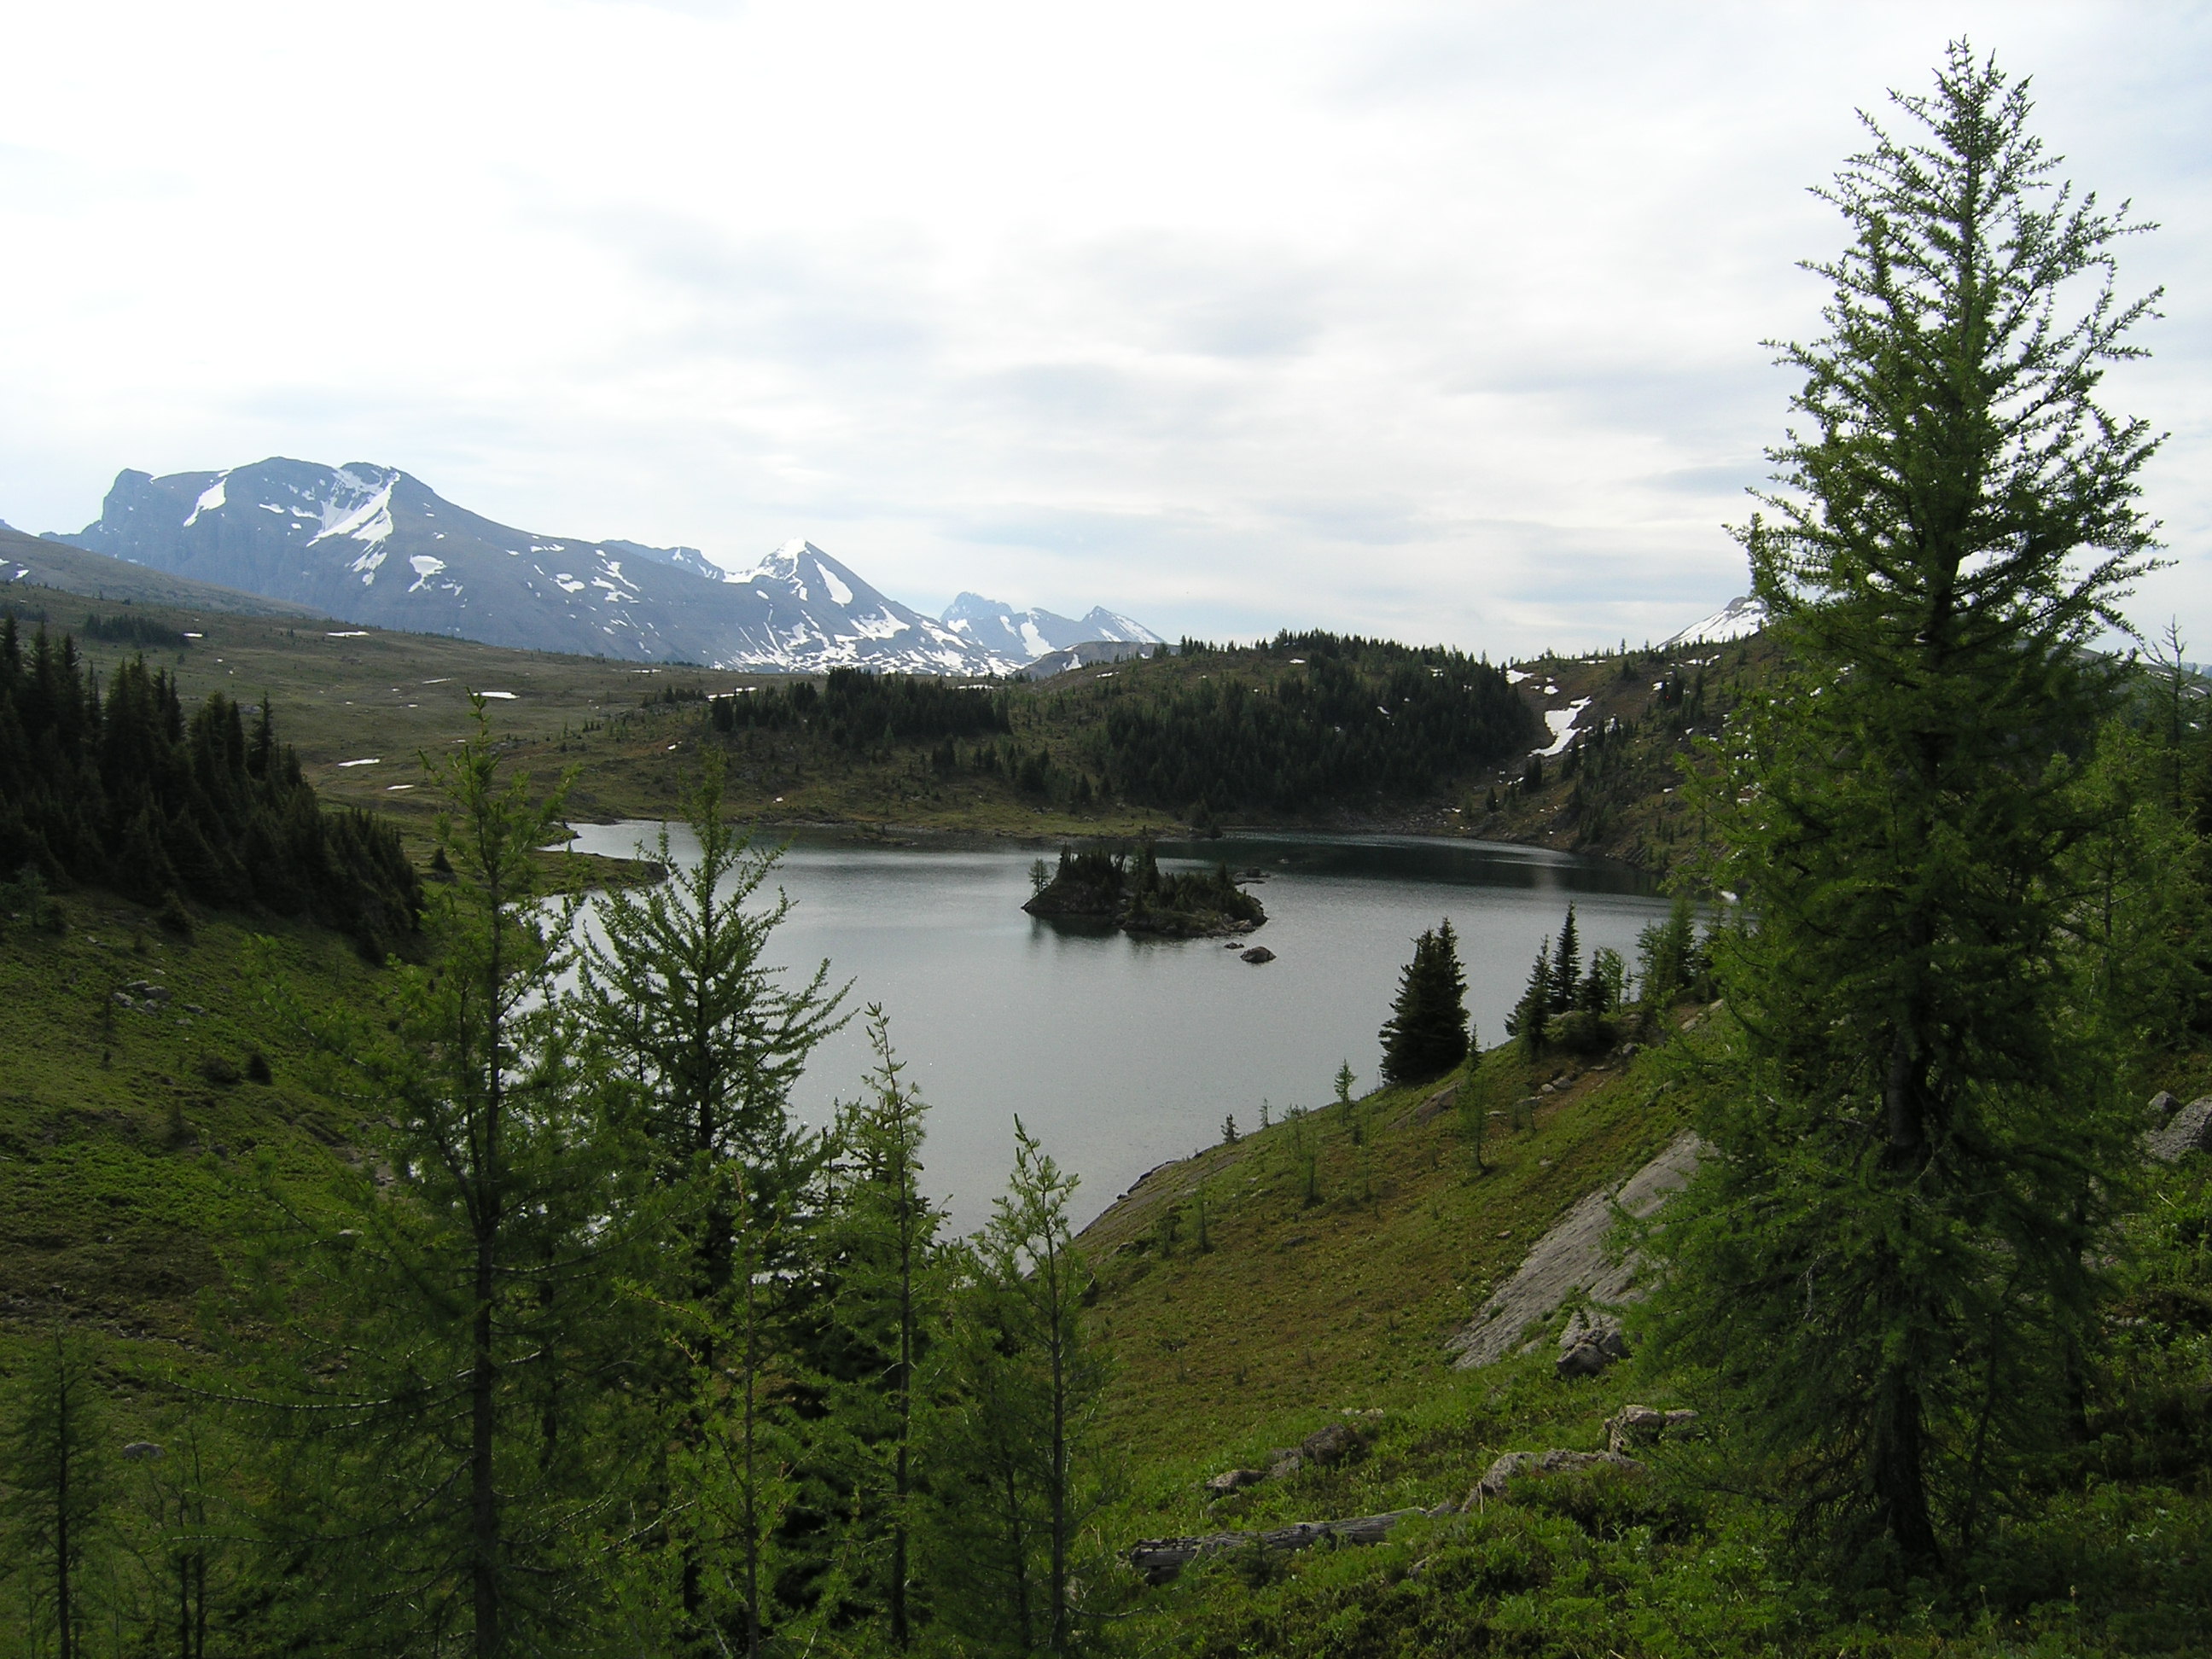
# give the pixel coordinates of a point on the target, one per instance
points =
(1120, 1054)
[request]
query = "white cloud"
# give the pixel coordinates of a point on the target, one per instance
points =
(1441, 321)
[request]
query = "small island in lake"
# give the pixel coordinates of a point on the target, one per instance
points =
(1135, 895)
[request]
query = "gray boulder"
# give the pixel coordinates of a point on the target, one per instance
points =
(1591, 1343)
(2189, 1130)
(1258, 954)
(1323, 1446)
(2163, 1105)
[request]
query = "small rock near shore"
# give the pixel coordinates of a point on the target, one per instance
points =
(1258, 954)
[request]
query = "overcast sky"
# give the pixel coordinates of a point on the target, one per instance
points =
(1436, 321)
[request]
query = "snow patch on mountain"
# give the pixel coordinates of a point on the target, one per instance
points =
(1734, 620)
(320, 535)
(210, 499)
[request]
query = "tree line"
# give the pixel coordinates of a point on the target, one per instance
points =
(120, 787)
(595, 1347)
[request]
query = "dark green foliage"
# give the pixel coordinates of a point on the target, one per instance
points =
(706, 1039)
(26, 901)
(1135, 893)
(56, 1479)
(887, 1261)
(124, 628)
(1891, 1265)
(442, 1388)
(1668, 963)
(854, 709)
(1020, 1470)
(124, 791)
(1359, 720)
(1526, 1022)
(1567, 967)
(1427, 1034)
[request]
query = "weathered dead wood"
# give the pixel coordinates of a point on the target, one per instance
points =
(1161, 1559)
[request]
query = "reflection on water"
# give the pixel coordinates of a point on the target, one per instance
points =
(1121, 1053)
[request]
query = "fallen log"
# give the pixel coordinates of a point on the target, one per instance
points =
(1161, 1559)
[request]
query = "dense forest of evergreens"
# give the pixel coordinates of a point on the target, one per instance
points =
(1360, 721)
(854, 709)
(124, 789)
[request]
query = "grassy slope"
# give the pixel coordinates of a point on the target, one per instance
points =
(1299, 1313)
(121, 1162)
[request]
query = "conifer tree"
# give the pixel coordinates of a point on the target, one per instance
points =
(1426, 1034)
(1526, 1023)
(1018, 1465)
(1894, 1253)
(1567, 967)
(706, 1040)
(884, 1254)
(452, 1339)
(54, 1482)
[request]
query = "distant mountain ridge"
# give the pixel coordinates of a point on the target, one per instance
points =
(1030, 635)
(373, 545)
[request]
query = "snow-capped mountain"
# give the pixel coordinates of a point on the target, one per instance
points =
(1028, 634)
(1732, 621)
(376, 545)
(809, 611)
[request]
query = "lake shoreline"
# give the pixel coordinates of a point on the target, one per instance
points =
(1429, 829)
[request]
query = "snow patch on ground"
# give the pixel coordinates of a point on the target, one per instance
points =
(838, 591)
(425, 568)
(1562, 722)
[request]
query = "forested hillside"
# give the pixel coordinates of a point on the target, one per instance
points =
(1306, 728)
(119, 788)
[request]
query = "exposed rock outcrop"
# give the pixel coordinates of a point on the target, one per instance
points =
(1572, 1258)
(2187, 1129)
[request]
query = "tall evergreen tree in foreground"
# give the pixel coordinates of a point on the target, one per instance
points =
(704, 1039)
(1426, 1034)
(1888, 1258)
(54, 1480)
(1016, 1450)
(884, 1253)
(452, 1337)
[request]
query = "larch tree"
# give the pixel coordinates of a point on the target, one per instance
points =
(454, 1347)
(886, 1260)
(706, 1038)
(1889, 1254)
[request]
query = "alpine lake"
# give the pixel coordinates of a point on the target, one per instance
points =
(1121, 1053)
